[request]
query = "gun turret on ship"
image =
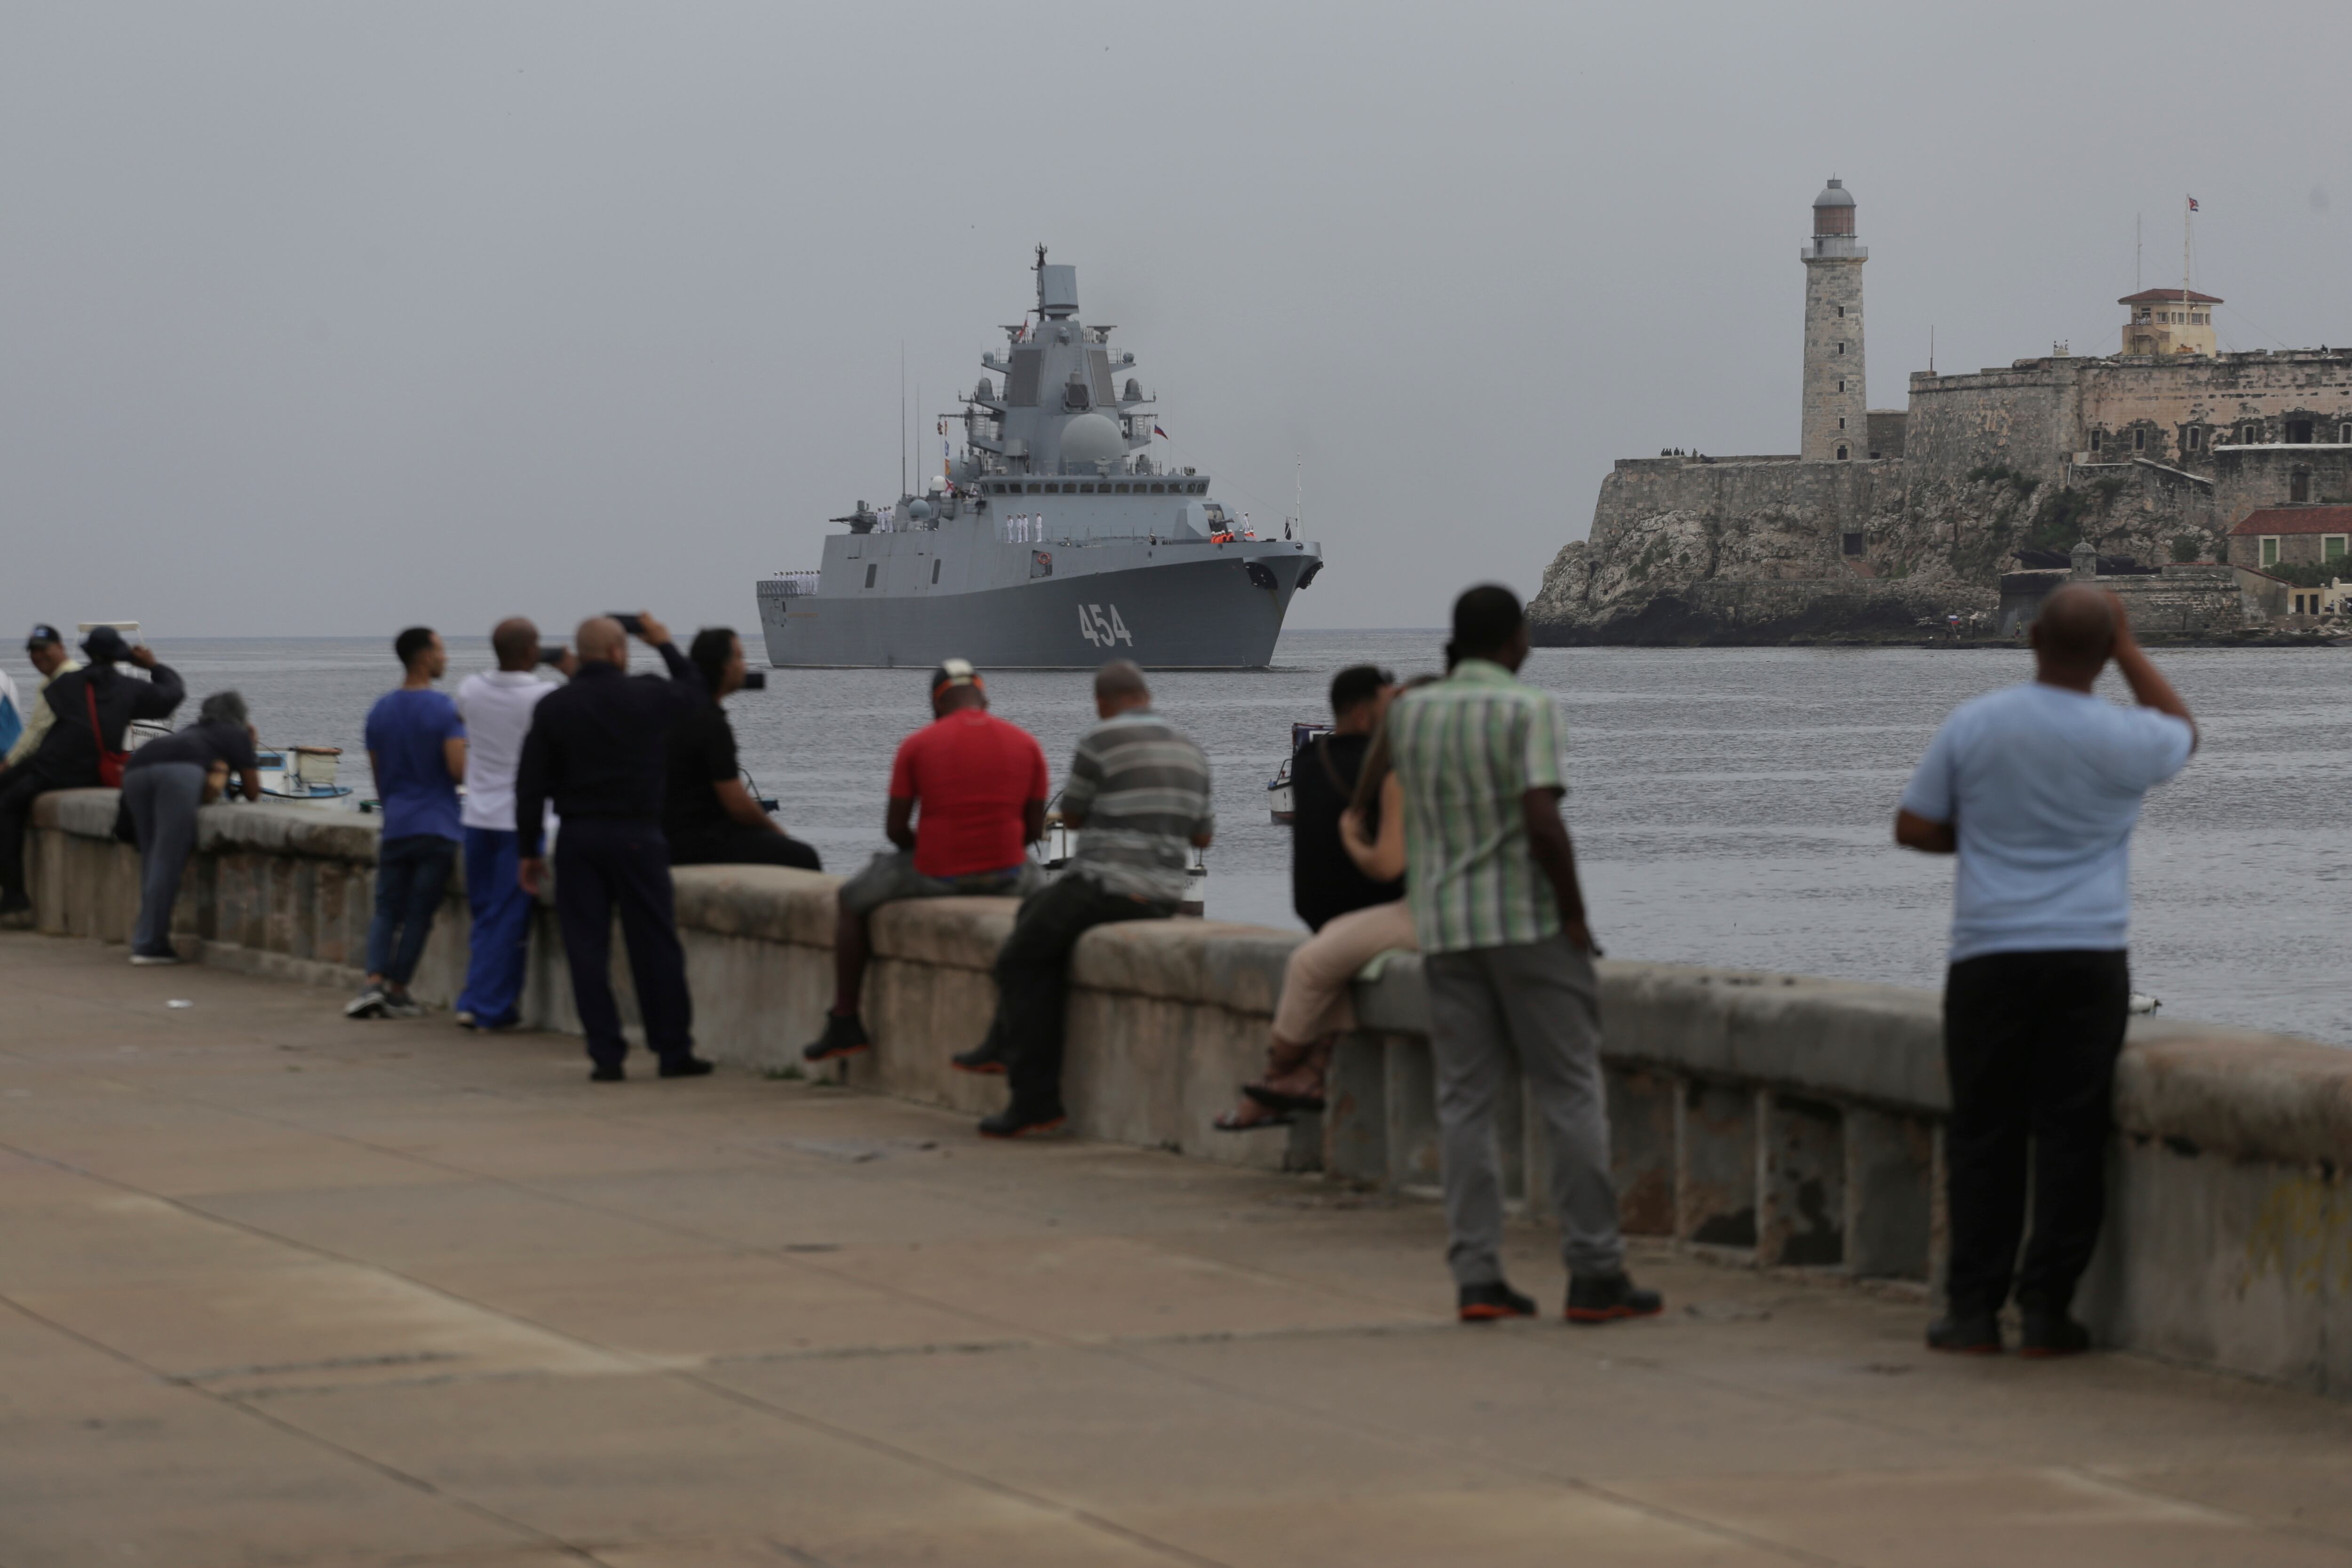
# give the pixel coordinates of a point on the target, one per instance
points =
(1056, 540)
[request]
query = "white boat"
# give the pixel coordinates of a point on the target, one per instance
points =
(1054, 851)
(1279, 799)
(302, 775)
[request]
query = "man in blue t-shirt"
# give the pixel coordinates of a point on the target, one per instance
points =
(2036, 788)
(416, 749)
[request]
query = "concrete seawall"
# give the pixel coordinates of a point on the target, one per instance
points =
(1787, 1121)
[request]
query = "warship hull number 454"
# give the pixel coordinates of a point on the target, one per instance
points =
(1054, 541)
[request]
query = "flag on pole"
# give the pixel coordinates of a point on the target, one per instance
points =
(1163, 434)
(2192, 204)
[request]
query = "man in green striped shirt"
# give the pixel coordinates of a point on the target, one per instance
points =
(1491, 875)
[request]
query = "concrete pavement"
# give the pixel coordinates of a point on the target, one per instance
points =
(279, 1289)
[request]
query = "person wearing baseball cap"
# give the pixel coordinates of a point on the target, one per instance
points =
(967, 799)
(90, 709)
(45, 648)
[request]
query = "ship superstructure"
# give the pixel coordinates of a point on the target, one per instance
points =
(1054, 540)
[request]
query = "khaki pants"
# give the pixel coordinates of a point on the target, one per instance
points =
(1314, 982)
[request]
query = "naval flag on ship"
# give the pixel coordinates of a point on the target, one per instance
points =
(2192, 204)
(1163, 434)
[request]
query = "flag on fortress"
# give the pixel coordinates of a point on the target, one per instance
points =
(2192, 204)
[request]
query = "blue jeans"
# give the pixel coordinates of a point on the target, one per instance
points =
(498, 950)
(411, 875)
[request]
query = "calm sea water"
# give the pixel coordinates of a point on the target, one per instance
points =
(1730, 806)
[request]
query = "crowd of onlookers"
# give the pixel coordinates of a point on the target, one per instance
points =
(1427, 819)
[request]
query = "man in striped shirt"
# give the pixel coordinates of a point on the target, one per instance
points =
(1139, 795)
(1491, 876)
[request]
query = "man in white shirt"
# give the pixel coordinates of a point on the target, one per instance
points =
(497, 707)
(2036, 788)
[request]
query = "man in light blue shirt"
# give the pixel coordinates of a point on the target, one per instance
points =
(2036, 788)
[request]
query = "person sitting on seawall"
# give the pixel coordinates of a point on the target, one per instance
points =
(416, 751)
(91, 710)
(1355, 913)
(496, 706)
(707, 816)
(967, 798)
(163, 784)
(1138, 794)
(45, 649)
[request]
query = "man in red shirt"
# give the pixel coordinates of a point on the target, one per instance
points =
(980, 785)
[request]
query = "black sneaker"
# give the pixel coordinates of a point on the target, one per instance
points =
(371, 1003)
(400, 1005)
(1965, 1333)
(1491, 1302)
(983, 1058)
(2045, 1334)
(615, 1073)
(1013, 1121)
(1605, 1297)
(687, 1066)
(845, 1035)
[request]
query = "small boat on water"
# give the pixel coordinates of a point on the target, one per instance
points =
(1055, 850)
(1279, 799)
(302, 775)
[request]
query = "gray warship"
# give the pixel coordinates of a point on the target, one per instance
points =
(1055, 540)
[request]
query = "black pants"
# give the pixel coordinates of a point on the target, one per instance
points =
(600, 863)
(1033, 972)
(740, 843)
(17, 788)
(2031, 1041)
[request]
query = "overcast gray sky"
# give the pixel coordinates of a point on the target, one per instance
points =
(326, 319)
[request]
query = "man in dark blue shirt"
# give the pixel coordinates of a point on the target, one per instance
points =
(599, 750)
(416, 749)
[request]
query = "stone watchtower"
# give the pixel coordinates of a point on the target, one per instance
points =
(1837, 421)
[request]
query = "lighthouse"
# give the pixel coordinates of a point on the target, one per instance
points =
(1836, 422)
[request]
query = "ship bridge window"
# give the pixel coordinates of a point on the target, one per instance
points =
(1158, 489)
(1034, 487)
(1085, 490)
(1121, 489)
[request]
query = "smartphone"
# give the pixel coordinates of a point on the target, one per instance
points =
(554, 656)
(632, 625)
(755, 681)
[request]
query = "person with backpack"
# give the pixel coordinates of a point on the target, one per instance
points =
(91, 710)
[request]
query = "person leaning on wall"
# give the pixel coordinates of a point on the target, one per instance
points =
(162, 785)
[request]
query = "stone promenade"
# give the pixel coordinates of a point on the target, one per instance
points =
(279, 1289)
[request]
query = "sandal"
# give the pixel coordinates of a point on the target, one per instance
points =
(1315, 1058)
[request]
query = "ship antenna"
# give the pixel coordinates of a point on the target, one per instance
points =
(902, 416)
(1040, 270)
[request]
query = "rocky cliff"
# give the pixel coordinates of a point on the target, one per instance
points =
(1767, 550)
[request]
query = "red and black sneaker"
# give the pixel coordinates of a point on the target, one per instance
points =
(1492, 1302)
(1965, 1333)
(1605, 1297)
(845, 1035)
(984, 1057)
(2045, 1334)
(1017, 1121)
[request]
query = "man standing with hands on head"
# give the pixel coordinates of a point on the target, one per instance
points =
(2035, 788)
(599, 749)
(1491, 876)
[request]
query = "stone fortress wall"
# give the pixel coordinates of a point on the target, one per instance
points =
(2152, 459)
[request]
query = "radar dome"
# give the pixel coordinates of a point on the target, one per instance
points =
(1092, 438)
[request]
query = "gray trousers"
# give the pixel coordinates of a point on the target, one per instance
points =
(1537, 1001)
(162, 798)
